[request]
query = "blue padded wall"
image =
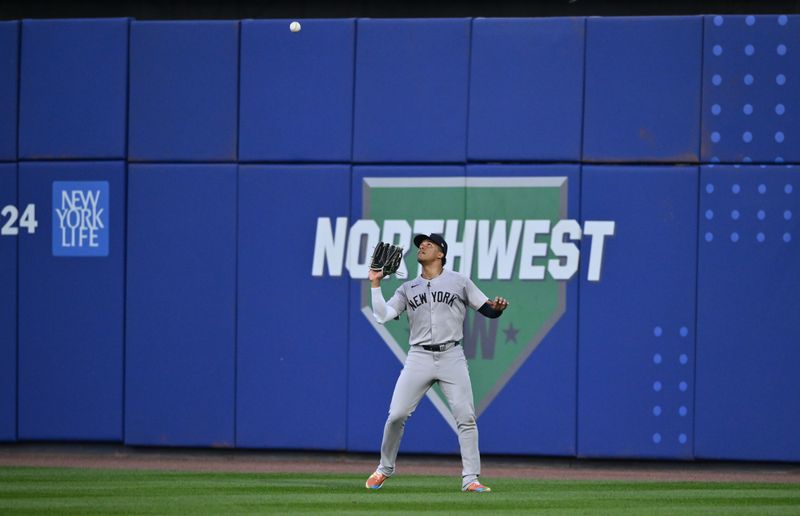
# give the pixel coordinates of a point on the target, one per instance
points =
(751, 89)
(71, 310)
(411, 90)
(526, 89)
(184, 91)
(9, 80)
(291, 368)
(297, 91)
(8, 309)
(245, 134)
(73, 89)
(747, 305)
(373, 368)
(540, 398)
(181, 305)
(637, 325)
(642, 97)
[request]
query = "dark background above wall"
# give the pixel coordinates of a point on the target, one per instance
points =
(241, 9)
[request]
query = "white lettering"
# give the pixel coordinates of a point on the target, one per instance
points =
(62, 214)
(80, 218)
(98, 219)
(564, 249)
(67, 200)
(90, 200)
(460, 249)
(497, 249)
(329, 247)
(359, 251)
(73, 219)
(598, 230)
(532, 249)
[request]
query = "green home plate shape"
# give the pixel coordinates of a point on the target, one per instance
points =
(498, 233)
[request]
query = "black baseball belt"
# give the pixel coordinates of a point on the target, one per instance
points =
(440, 347)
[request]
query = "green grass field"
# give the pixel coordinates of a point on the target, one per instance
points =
(82, 491)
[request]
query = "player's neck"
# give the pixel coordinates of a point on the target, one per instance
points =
(431, 270)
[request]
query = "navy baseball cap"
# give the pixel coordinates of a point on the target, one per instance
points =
(433, 237)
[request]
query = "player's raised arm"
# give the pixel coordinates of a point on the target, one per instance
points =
(385, 260)
(375, 278)
(381, 310)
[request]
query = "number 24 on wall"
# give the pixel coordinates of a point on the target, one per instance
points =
(27, 220)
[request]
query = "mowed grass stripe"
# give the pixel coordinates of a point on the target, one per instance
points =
(85, 491)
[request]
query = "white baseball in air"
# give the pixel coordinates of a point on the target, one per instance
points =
(294, 26)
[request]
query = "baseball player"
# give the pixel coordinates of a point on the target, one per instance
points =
(436, 303)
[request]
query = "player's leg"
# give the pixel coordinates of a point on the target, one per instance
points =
(454, 380)
(414, 381)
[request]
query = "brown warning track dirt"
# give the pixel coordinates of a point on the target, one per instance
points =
(251, 461)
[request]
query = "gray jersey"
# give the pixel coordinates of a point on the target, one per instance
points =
(437, 307)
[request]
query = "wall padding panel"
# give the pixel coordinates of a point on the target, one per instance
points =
(181, 306)
(751, 89)
(184, 90)
(291, 370)
(747, 348)
(8, 307)
(642, 98)
(526, 89)
(71, 298)
(536, 339)
(73, 89)
(297, 91)
(9, 87)
(411, 90)
(637, 324)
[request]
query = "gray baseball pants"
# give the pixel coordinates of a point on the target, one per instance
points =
(421, 370)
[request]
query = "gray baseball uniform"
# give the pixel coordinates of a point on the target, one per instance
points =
(436, 310)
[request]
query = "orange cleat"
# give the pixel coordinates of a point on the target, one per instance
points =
(375, 481)
(476, 487)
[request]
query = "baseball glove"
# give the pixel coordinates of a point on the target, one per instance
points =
(386, 258)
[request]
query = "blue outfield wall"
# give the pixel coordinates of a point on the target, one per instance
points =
(637, 328)
(208, 194)
(73, 89)
(748, 302)
(9, 88)
(540, 396)
(292, 326)
(526, 89)
(184, 91)
(8, 308)
(71, 296)
(181, 305)
(411, 90)
(642, 90)
(297, 91)
(751, 103)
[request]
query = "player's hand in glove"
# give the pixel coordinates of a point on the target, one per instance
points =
(386, 258)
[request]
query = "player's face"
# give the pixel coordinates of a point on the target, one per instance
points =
(428, 252)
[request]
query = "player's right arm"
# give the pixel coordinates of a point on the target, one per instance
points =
(381, 310)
